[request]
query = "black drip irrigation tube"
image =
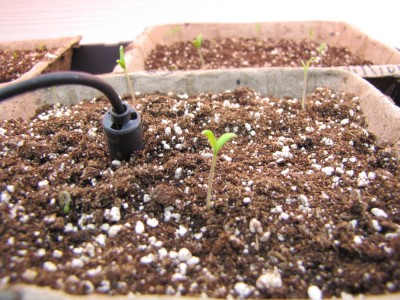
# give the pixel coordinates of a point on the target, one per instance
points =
(122, 124)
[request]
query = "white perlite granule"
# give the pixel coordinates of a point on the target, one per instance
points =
(77, 263)
(182, 230)
(377, 212)
(49, 266)
(43, 183)
(242, 289)
(184, 254)
(246, 200)
(146, 198)
(255, 226)
(29, 275)
(328, 170)
(114, 230)
(314, 293)
(101, 239)
(268, 280)
(152, 222)
(115, 214)
(57, 253)
(178, 173)
(5, 197)
(116, 163)
(358, 239)
(148, 259)
(139, 228)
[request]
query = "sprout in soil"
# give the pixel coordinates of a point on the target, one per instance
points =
(216, 145)
(321, 48)
(64, 199)
(174, 30)
(258, 31)
(122, 64)
(311, 34)
(305, 69)
(197, 44)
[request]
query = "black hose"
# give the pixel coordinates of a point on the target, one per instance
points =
(63, 78)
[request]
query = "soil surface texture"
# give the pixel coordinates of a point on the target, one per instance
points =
(304, 202)
(14, 64)
(243, 53)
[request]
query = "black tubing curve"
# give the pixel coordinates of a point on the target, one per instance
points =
(63, 78)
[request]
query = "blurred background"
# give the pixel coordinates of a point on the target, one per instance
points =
(110, 22)
(105, 24)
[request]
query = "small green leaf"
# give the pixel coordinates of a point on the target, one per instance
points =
(174, 30)
(198, 41)
(215, 144)
(121, 60)
(311, 34)
(223, 139)
(211, 138)
(121, 64)
(258, 28)
(321, 47)
(66, 208)
(308, 63)
(65, 201)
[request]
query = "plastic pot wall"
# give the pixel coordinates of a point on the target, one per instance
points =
(340, 34)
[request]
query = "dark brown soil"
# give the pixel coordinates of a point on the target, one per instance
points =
(13, 64)
(300, 199)
(243, 53)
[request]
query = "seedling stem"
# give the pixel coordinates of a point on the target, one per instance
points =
(65, 200)
(122, 64)
(197, 44)
(305, 69)
(258, 32)
(216, 145)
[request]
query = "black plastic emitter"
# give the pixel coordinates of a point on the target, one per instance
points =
(122, 124)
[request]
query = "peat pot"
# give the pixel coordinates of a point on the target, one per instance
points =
(386, 59)
(381, 116)
(59, 57)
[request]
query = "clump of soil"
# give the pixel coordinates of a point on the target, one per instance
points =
(243, 53)
(13, 64)
(302, 200)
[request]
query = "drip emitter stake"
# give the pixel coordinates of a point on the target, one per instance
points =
(122, 124)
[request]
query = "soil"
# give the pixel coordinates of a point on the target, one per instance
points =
(14, 64)
(303, 201)
(243, 53)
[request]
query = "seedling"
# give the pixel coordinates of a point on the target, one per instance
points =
(216, 145)
(321, 48)
(197, 43)
(122, 64)
(174, 30)
(305, 69)
(311, 34)
(65, 200)
(258, 31)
